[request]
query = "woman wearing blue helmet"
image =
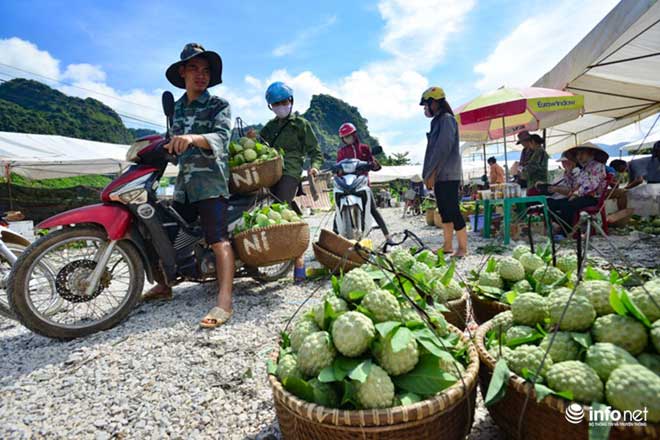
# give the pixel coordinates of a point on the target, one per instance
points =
(293, 134)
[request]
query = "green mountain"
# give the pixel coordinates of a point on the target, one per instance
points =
(138, 133)
(28, 106)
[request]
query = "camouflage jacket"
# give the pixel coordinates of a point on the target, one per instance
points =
(203, 173)
(297, 140)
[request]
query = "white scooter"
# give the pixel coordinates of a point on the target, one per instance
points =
(353, 199)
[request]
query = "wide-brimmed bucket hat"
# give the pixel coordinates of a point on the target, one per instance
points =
(190, 51)
(599, 154)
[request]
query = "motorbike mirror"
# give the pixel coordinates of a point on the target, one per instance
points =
(168, 104)
(377, 150)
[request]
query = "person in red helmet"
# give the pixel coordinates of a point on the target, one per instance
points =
(354, 149)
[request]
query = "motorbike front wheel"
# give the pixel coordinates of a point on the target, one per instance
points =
(5, 269)
(351, 215)
(63, 309)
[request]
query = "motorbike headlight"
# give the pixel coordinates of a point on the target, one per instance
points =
(134, 196)
(136, 147)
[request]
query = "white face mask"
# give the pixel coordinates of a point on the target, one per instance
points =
(348, 140)
(282, 111)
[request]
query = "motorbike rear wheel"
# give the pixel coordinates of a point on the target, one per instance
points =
(5, 269)
(69, 313)
(267, 274)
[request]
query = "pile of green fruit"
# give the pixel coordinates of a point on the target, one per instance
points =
(247, 150)
(275, 214)
(650, 225)
(365, 346)
(601, 348)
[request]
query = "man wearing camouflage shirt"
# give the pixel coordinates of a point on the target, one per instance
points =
(201, 130)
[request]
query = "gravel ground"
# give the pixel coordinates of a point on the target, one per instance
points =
(157, 375)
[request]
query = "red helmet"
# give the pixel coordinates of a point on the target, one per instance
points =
(346, 129)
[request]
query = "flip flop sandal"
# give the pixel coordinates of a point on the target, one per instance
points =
(154, 294)
(215, 318)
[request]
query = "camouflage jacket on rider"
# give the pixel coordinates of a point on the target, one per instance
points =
(203, 174)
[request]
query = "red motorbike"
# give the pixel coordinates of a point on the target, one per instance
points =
(87, 273)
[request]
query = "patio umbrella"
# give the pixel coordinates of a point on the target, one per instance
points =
(507, 111)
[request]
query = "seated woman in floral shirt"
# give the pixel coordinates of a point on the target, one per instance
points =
(587, 186)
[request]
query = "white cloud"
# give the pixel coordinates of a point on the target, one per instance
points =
(303, 38)
(84, 73)
(24, 55)
(539, 43)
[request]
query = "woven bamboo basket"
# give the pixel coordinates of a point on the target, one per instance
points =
(448, 415)
(437, 219)
(545, 420)
(250, 177)
(338, 245)
(457, 314)
(333, 262)
(272, 244)
(430, 217)
(484, 309)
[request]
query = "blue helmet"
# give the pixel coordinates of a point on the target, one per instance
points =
(278, 91)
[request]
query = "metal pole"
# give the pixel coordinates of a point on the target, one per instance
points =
(506, 161)
(485, 171)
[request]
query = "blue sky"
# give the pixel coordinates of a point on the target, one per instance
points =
(376, 55)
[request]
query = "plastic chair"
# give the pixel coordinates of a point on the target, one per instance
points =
(611, 184)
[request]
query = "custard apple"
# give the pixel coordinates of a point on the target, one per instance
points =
(548, 275)
(558, 291)
(377, 391)
(529, 357)
(357, 280)
(578, 378)
(454, 291)
(578, 317)
(567, 263)
(634, 387)
(397, 363)
(510, 269)
(604, 358)
(326, 392)
(655, 335)
(382, 304)
(518, 331)
(454, 367)
(497, 349)
(402, 259)
(529, 309)
(648, 303)
(352, 333)
(316, 353)
(491, 279)
(419, 267)
(520, 250)
(531, 262)
(338, 305)
(522, 286)
(428, 257)
(650, 361)
(408, 313)
(438, 291)
(598, 293)
(627, 333)
(564, 347)
(301, 330)
(503, 321)
(287, 367)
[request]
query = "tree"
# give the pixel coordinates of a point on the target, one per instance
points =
(396, 159)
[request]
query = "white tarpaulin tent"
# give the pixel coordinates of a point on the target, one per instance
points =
(41, 156)
(651, 139)
(617, 69)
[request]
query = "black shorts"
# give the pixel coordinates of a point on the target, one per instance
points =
(212, 215)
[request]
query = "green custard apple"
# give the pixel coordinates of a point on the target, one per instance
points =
(438, 291)
(454, 291)
(402, 259)
(655, 335)
(377, 391)
(650, 361)
(558, 291)
(634, 387)
(578, 378)
(382, 304)
(338, 305)
(491, 279)
(648, 301)
(604, 358)
(316, 353)
(301, 330)
(531, 262)
(510, 269)
(288, 367)
(528, 357)
(567, 263)
(564, 347)
(579, 316)
(529, 309)
(452, 367)
(520, 250)
(522, 286)
(627, 333)
(598, 293)
(352, 333)
(503, 321)
(356, 280)
(419, 267)
(518, 331)
(400, 362)
(547, 275)
(497, 349)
